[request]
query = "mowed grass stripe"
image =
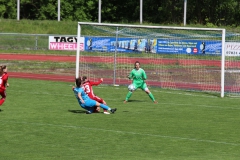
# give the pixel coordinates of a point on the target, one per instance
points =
(124, 132)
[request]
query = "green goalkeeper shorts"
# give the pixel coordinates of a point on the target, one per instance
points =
(142, 86)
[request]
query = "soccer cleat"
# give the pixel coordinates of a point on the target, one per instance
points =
(113, 110)
(124, 101)
(155, 102)
(88, 112)
(106, 112)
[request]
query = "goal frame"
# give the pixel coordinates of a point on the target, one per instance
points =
(156, 27)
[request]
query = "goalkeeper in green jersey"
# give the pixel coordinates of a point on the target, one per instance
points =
(138, 77)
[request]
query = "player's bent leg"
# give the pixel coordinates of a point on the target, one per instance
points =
(100, 100)
(104, 102)
(103, 106)
(3, 94)
(96, 109)
(106, 107)
(129, 94)
(150, 95)
(2, 101)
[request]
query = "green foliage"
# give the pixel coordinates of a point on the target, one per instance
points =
(2, 10)
(46, 122)
(220, 12)
(8, 9)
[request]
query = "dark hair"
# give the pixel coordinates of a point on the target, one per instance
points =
(84, 78)
(4, 66)
(78, 82)
(136, 63)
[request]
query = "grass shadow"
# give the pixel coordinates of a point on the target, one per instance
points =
(134, 101)
(77, 111)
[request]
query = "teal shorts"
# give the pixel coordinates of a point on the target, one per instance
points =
(88, 105)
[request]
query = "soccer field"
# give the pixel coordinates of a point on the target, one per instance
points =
(42, 120)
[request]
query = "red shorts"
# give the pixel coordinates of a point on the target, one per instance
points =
(96, 98)
(3, 93)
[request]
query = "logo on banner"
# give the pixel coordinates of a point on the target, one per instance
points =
(195, 50)
(232, 49)
(65, 43)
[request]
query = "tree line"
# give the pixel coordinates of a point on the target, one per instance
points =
(215, 12)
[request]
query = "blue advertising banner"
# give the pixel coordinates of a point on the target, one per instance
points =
(189, 47)
(109, 44)
(160, 46)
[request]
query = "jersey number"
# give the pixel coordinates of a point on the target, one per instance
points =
(87, 88)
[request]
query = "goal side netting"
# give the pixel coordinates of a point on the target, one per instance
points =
(173, 57)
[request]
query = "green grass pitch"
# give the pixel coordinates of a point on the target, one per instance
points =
(42, 120)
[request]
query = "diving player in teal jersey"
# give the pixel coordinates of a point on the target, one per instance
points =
(138, 76)
(86, 102)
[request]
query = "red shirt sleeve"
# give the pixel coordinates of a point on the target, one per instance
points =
(95, 83)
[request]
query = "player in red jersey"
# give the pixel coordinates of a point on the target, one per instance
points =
(87, 86)
(3, 83)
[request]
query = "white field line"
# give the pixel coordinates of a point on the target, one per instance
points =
(176, 104)
(205, 106)
(124, 132)
(169, 92)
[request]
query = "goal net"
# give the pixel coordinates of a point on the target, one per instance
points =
(232, 64)
(173, 57)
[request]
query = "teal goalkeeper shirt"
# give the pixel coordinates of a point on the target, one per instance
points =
(138, 76)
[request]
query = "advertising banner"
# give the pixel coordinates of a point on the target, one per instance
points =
(232, 49)
(109, 44)
(65, 43)
(164, 46)
(189, 47)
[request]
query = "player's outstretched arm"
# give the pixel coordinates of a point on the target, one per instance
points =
(80, 97)
(96, 83)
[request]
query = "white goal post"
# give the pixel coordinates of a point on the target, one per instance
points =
(173, 57)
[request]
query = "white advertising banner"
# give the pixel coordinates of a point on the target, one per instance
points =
(65, 43)
(232, 49)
